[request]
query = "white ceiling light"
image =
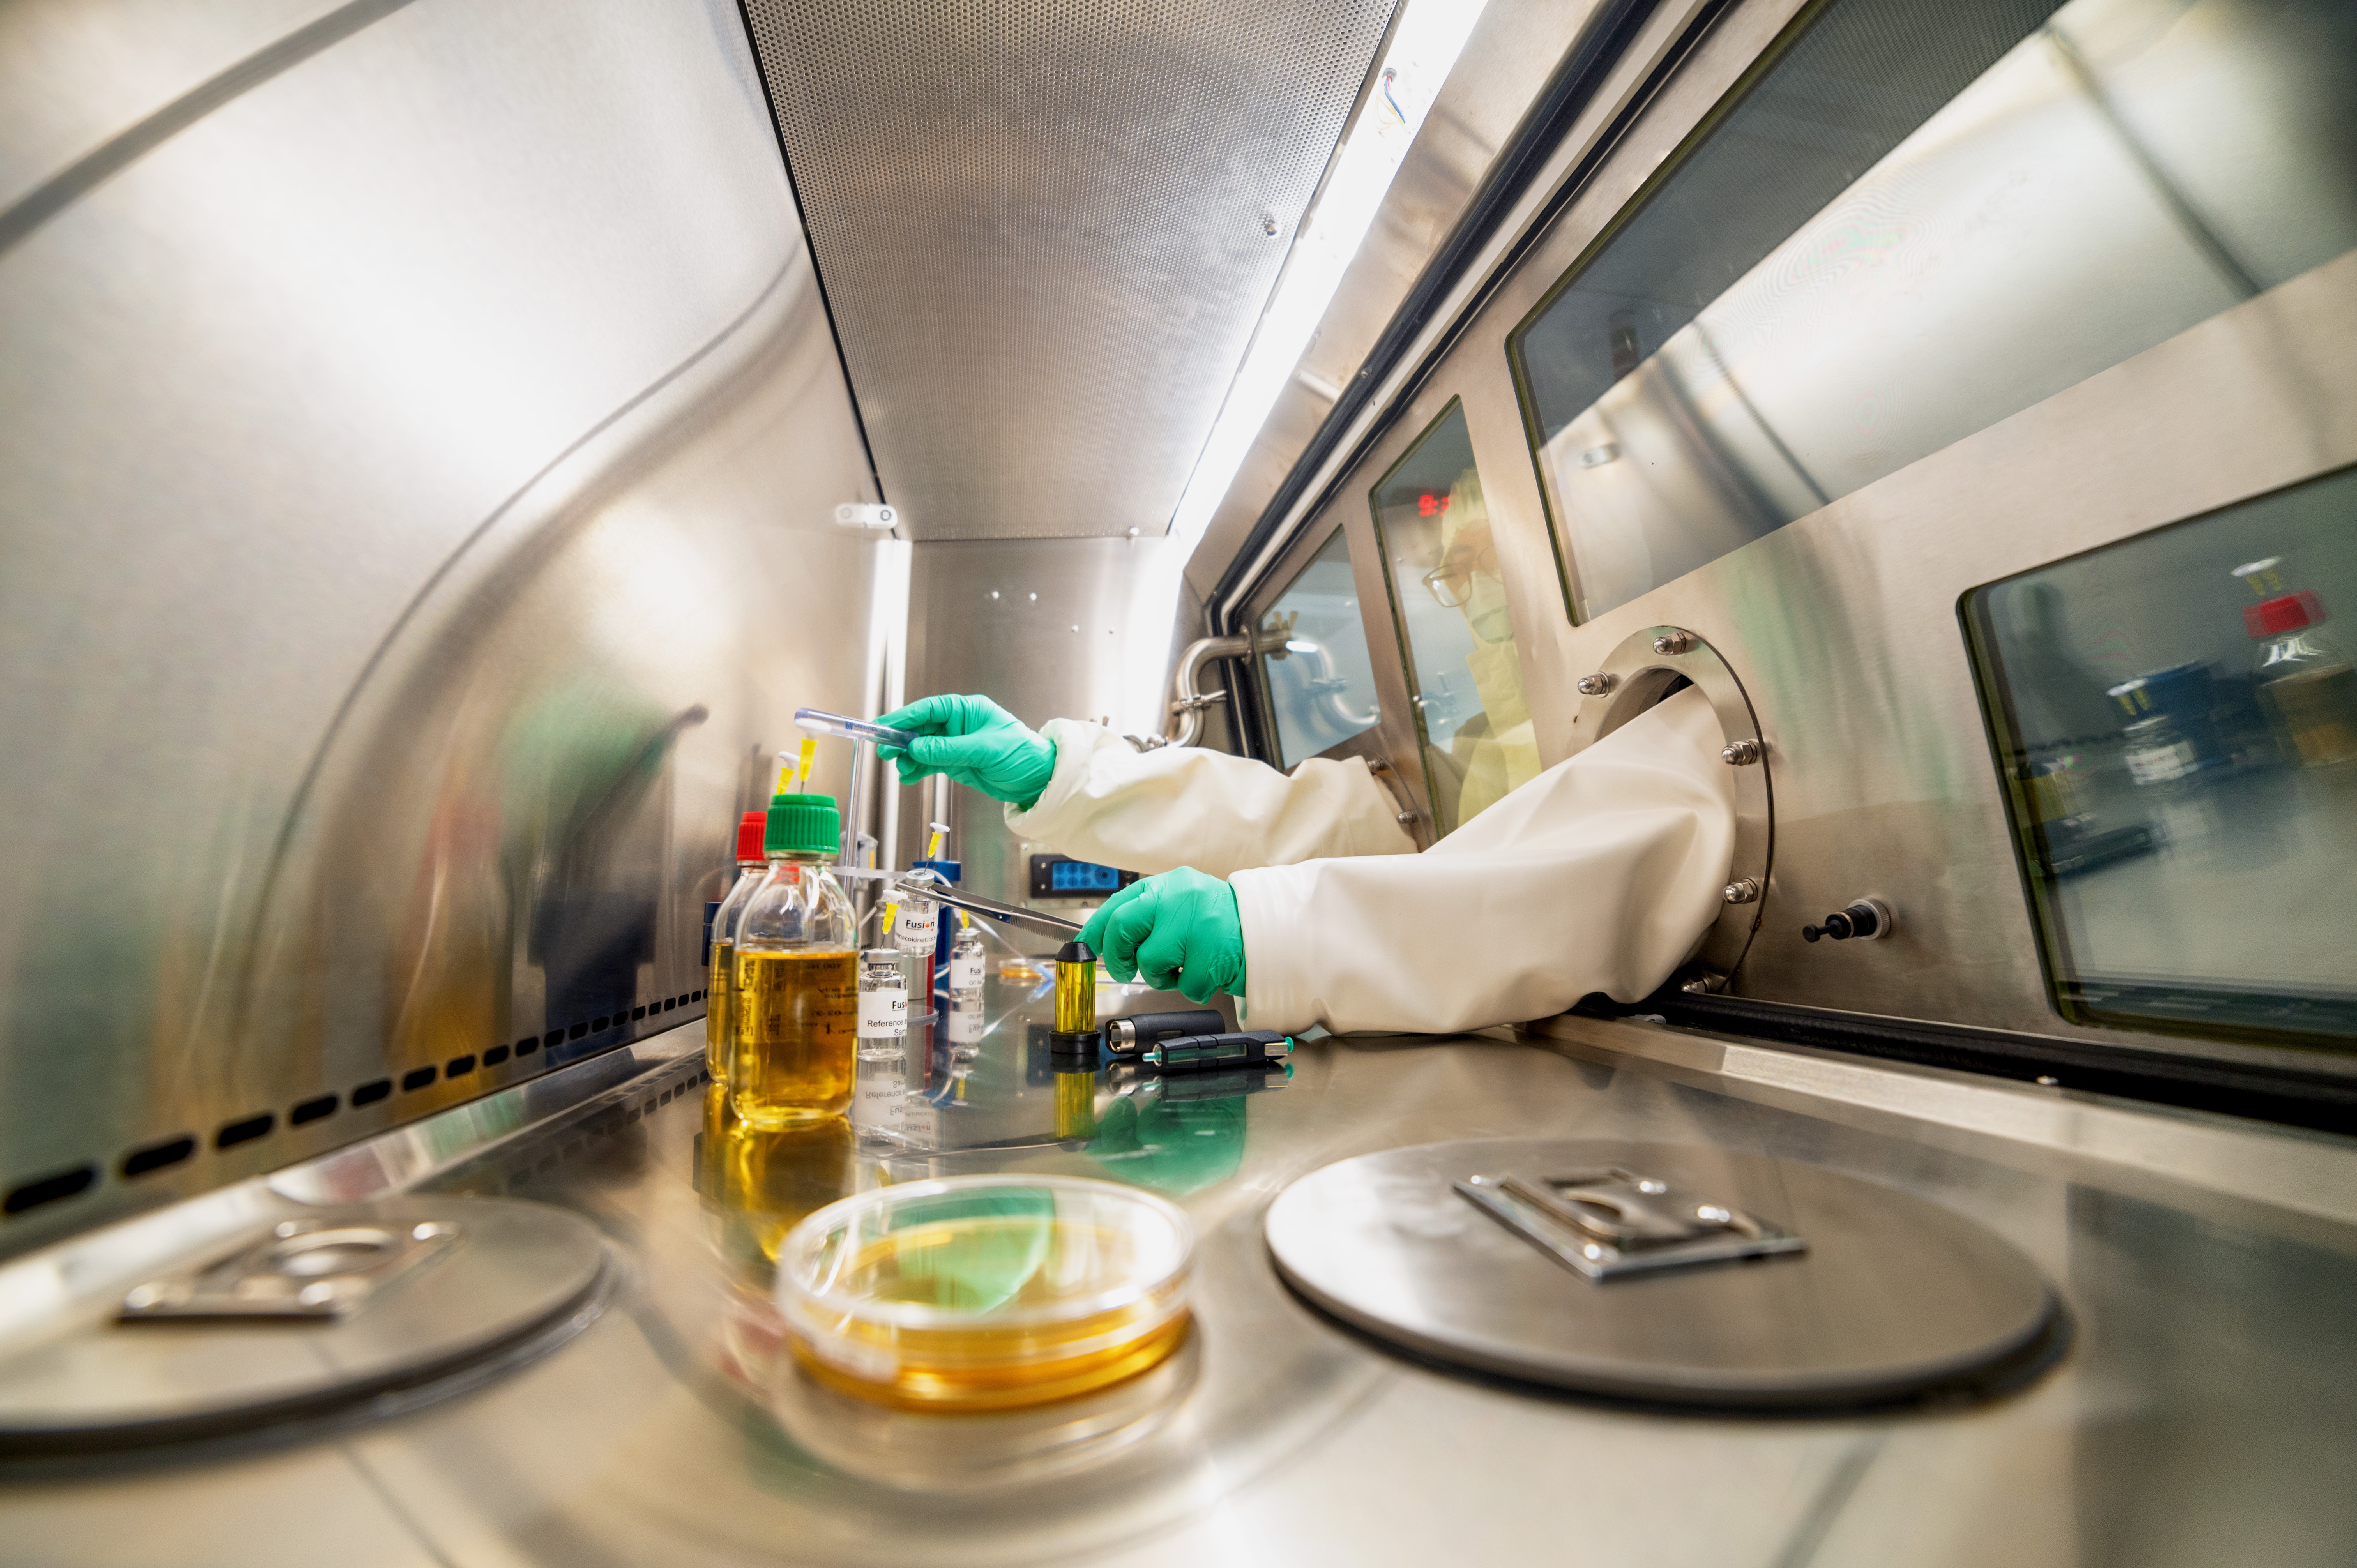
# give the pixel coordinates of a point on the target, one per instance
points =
(1424, 45)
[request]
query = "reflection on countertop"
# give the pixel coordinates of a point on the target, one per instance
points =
(2199, 1416)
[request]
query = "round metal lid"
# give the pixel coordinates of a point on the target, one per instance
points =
(315, 1314)
(1882, 1296)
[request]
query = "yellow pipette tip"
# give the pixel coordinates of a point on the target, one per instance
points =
(801, 769)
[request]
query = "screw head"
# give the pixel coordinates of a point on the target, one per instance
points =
(1675, 642)
(1594, 685)
(1740, 753)
(1745, 890)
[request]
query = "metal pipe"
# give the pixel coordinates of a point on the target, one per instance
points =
(1188, 702)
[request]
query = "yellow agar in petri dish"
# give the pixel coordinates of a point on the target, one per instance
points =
(987, 1293)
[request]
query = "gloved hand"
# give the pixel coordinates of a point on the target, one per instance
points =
(975, 742)
(1180, 930)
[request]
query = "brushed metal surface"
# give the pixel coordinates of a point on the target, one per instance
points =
(2200, 1417)
(1894, 1297)
(1842, 625)
(1504, 65)
(417, 498)
(1048, 231)
(514, 1270)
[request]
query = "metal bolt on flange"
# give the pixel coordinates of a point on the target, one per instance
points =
(1745, 890)
(1740, 753)
(1595, 686)
(1675, 642)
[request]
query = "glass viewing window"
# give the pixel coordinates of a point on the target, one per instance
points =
(1916, 218)
(1464, 677)
(2175, 717)
(1313, 660)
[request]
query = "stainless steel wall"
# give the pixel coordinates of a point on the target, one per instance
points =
(1842, 626)
(419, 434)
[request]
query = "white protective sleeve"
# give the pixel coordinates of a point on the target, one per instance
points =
(1157, 810)
(1601, 873)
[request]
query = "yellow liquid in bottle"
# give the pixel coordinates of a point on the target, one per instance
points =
(797, 1036)
(719, 1024)
(2318, 712)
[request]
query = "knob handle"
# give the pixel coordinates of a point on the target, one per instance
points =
(1868, 919)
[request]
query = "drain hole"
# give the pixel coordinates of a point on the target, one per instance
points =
(416, 1078)
(638, 1011)
(458, 1067)
(495, 1056)
(48, 1189)
(244, 1131)
(576, 1032)
(370, 1093)
(599, 1025)
(155, 1156)
(312, 1110)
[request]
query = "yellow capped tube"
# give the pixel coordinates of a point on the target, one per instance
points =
(1076, 990)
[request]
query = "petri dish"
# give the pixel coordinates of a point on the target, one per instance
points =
(987, 1293)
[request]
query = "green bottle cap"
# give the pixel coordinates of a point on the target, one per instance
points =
(803, 824)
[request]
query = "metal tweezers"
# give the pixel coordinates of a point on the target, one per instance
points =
(991, 909)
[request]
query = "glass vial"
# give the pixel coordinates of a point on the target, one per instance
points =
(965, 1019)
(882, 1076)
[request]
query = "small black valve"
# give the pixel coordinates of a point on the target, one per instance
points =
(1865, 919)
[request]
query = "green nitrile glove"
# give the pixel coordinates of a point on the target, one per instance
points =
(1180, 930)
(975, 742)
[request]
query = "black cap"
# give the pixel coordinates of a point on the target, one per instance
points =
(1072, 1053)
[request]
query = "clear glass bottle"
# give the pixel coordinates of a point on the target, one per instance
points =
(966, 1022)
(719, 1022)
(796, 998)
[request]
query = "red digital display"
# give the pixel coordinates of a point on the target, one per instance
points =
(1429, 505)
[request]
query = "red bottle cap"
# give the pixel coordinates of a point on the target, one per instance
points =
(2286, 612)
(749, 834)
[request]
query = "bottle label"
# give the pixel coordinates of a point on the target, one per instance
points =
(2161, 764)
(876, 1099)
(914, 927)
(883, 1014)
(965, 1024)
(965, 972)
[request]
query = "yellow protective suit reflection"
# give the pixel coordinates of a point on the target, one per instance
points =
(1498, 750)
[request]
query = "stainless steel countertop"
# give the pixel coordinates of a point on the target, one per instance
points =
(2202, 1413)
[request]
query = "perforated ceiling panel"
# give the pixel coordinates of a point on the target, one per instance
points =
(1043, 227)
